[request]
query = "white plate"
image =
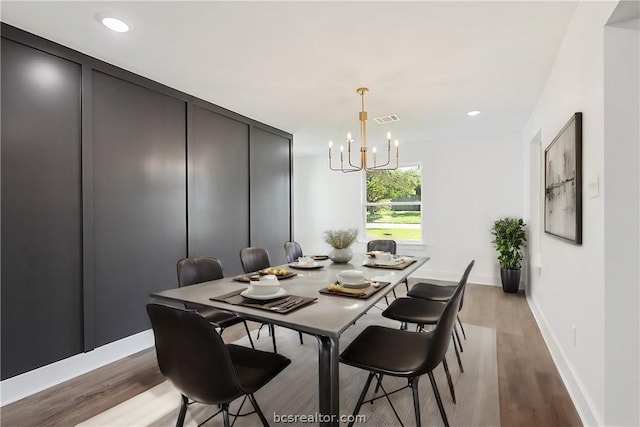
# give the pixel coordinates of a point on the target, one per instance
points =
(280, 293)
(305, 266)
(355, 284)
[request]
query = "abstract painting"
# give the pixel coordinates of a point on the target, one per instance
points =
(563, 183)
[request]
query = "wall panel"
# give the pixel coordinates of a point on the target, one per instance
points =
(139, 201)
(41, 209)
(270, 165)
(218, 153)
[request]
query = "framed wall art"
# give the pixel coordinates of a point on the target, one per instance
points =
(563, 183)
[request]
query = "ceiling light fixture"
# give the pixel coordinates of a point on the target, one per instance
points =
(115, 24)
(473, 113)
(363, 147)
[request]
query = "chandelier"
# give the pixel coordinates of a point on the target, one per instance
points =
(350, 167)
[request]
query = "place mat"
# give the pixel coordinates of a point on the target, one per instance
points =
(365, 295)
(400, 266)
(246, 278)
(234, 298)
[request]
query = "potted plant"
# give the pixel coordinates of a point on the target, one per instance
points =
(509, 238)
(341, 240)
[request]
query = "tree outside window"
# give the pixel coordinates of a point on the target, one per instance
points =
(393, 208)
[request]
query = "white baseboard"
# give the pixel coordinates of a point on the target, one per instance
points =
(31, 382)
(582, 402)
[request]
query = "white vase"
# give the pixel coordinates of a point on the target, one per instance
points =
(341, 256)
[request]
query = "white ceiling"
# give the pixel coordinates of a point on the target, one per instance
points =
(296, 65)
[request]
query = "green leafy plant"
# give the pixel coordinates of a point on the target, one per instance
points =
(340, 238)
(509, 238)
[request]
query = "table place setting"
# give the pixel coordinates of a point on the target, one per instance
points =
(265, 294)
(306, 263)
(380, 259)
(354, 284)
(280, 273)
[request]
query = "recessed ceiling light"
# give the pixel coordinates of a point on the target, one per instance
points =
(116, 25)
(473, 113)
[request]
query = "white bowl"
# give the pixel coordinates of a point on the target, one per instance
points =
(351, 277)
(267, 285)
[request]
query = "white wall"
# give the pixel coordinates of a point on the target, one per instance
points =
(622, 222)
(568, 289)
(467, 184)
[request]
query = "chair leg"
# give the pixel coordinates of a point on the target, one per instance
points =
(455, 347)
(183, 411)
(416, 401)
(378, 384)
(438, 399)
(246, 328)
(446, 370)
(225, 414)
(361, 398)
(464, 334)
(301, 340)
(386, 300)
(406, 285)
(258, 410)
(394, 293)
(455, 330)
(272, 330)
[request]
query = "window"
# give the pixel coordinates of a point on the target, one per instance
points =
(393, 204)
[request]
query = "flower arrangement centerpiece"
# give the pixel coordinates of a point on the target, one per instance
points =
(340, 240)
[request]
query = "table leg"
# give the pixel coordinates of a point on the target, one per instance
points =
(328, 381)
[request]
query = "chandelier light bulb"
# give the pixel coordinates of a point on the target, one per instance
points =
(330, 144)
(389, 135)
(348, 136)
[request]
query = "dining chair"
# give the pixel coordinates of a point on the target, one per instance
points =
(442, 293)
(415, 354)
(385, 245)
(293, 251)
(205, 369)
(254, 258)
(427, 312)
(204, 269)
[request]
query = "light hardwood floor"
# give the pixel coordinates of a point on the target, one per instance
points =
(531, 391)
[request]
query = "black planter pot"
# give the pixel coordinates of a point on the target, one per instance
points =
(510, 280)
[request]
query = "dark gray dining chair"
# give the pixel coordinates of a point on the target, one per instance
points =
(203, 368)
(414, 354)
(385, 245)
(427, 312)
(293, 251)
(204, 269)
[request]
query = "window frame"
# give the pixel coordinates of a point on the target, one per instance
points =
(365, 204)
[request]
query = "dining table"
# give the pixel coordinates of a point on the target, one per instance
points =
(326, 317)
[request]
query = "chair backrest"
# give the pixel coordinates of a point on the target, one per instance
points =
(465, 276)
(198, 269)
(253, 259)
(444, 327)
(293, 251)
(382, 245)
(192, 355)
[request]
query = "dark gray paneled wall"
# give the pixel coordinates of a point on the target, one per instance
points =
(218, 188)
(139, 193)
(41, 209)
(270, 165)
(99, 198)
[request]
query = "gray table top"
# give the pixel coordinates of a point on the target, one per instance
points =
(329, 316)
